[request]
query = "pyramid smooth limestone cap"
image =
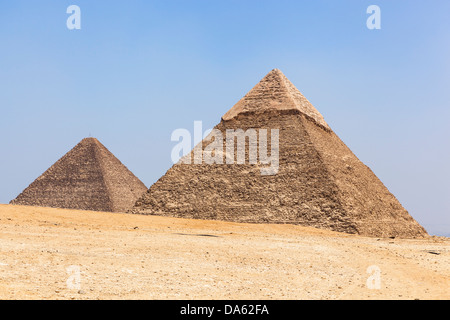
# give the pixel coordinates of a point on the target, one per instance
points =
(275, 92)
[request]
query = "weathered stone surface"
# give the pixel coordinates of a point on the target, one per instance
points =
(275, 92)
(88, 177)
(320, 182)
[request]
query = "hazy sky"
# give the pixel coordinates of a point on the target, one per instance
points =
(137, 70)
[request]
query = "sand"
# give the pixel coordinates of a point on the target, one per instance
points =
(123, 256)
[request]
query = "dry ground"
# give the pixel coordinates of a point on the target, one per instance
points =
(123, 256)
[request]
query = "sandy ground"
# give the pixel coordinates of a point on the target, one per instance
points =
(121, 256)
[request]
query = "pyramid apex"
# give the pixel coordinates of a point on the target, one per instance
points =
(276, 70)
(89, 139)
(275, 92)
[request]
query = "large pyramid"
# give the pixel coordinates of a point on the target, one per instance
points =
(319, 181)
(88, 177)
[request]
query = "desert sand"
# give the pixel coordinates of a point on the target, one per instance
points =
(125, 256)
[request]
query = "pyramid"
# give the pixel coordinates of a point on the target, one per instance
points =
(88, 177)
(319, 181)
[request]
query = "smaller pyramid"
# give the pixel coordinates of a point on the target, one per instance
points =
(88, 177)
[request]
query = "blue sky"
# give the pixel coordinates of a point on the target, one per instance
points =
(137, 70)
